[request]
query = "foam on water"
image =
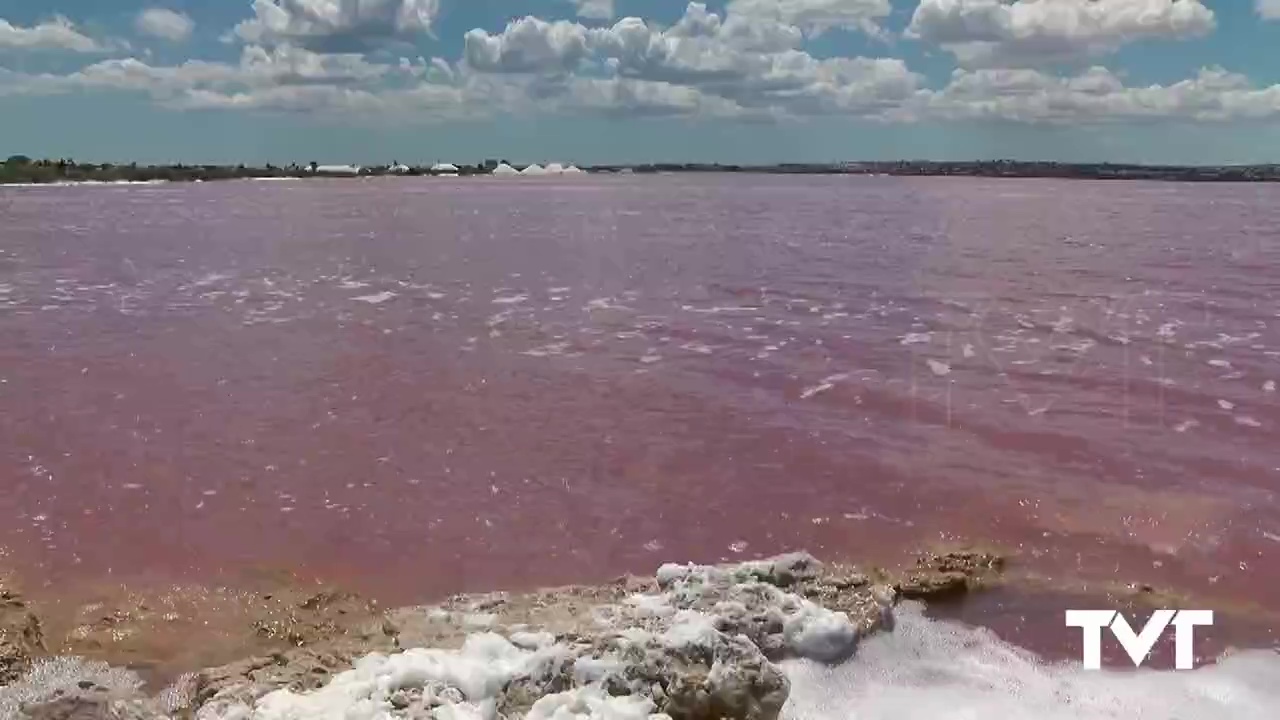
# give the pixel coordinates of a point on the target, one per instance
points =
(928, 670)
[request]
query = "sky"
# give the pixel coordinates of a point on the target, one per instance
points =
(629, 81)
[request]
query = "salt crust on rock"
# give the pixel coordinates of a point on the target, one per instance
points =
(702, 646)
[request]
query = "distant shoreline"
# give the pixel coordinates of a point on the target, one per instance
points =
(22, 171)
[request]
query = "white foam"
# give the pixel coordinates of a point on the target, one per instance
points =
(376, 299)
(916, 338)
(926, 670)
(811, 391)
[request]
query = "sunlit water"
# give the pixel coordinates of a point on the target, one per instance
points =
(423, 386)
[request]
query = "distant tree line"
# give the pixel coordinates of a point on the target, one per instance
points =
(23, 169)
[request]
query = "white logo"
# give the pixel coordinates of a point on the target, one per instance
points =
(1139, 645)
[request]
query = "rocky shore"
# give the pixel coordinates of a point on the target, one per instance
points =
(691, 643)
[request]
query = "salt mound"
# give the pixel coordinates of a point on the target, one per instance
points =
(573, 170)
(505, 169)
(534, 169)
(926, 670)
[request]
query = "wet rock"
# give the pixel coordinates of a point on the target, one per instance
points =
(243, 682)
(93, 705)
(702, 648)
(949, 575)
(321, 617)
(697, 674)
(21, 637)
(769, 602)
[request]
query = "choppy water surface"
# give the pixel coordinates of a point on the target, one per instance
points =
(427, 386)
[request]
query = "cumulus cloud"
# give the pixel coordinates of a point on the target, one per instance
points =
(1030, 32)
(337, 25)
(741, 64)
(281, 78)
(816, 16)
(56, 34)
(751, 63)
(164, 24)
(529, 45)
(595, 9)
(1097, 96)
(1269, 9)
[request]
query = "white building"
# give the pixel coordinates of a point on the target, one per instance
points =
(444, 169)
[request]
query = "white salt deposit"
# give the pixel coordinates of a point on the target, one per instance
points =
(922, 670)
(464, 680)
(589, 704)
(61, 675)
(929, 670)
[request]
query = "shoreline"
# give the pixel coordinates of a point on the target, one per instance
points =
(119, 175)
(189, 646)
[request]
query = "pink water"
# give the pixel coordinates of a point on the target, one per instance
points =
(423, 386)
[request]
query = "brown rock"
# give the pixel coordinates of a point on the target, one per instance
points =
(949, 575)
(21, 637)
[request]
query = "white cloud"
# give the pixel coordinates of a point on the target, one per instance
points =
(816, 16)
(595, 9)
(1097, 96)
(282, 78)
(1029, 32)
(1269, 9)
(752, 63)
(743, 65)
(56, 34)
(529, 45)
(165, 24)
(337, 24)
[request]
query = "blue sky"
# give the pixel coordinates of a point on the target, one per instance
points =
(591, 81)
